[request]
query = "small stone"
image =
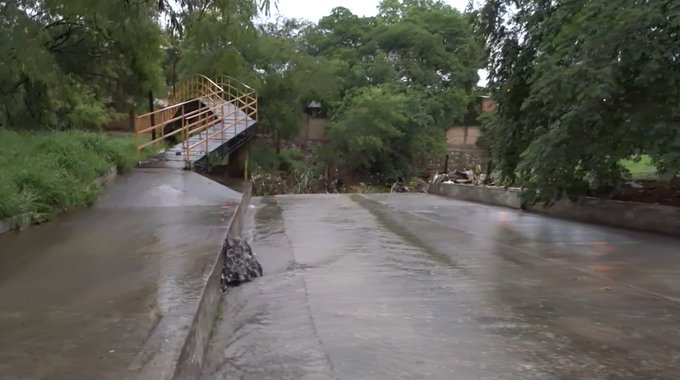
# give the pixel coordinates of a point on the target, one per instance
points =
(607, 289)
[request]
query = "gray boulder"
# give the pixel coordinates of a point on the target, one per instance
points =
(240, 264)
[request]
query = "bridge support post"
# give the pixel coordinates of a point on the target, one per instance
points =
(237, 166)
(245, 170)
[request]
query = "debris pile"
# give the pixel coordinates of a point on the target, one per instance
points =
(399, 186)
(466, 176)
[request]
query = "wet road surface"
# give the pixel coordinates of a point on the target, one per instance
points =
(108, 292)
(412, 286)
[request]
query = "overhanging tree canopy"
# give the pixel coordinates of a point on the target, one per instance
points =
(69, 63)
(581, 85)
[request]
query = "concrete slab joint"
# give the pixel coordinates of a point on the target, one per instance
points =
(631, 215)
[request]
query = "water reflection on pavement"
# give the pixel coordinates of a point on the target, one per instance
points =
(410, 286)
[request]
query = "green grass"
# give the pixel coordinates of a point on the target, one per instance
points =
(43, 174)
(640, 167)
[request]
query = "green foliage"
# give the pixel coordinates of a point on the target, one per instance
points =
(384, 132)
(73, 63)
(46, 173)
(265, 158)
(181, 14)
(423, 45)
(407, 75)
(291, 159)
(640, 167)
(217, 42)
(213, 37)
(580, 86)
(290, 172)
(289, 78)
(420, 56)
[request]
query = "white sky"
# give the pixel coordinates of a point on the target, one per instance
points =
(314, 10)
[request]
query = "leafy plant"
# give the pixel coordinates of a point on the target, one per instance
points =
(46, 173)
(580, 86)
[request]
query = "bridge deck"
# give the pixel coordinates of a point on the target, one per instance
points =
(236, 123)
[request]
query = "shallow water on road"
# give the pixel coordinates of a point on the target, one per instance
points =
(108, 292)
(376, 288)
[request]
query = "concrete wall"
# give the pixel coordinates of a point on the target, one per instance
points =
(487, 104)
(482, 194)
(632, 215)
(462, 136)
(312, 129)
(458, 136)
(190, 362)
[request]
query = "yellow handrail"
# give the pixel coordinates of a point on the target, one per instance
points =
(213, 96)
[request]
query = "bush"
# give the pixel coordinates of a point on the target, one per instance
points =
(291, 159)
(265, 158)
(42, 174)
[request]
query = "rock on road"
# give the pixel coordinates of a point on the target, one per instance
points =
(413, 286)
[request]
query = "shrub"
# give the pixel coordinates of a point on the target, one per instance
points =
(42, 174)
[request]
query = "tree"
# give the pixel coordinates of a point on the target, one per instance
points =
(289, 78)
(180, 14)
(73, 63)
(423, 45)
(217, 38)
(383, 131)
(408, 75)
(581, 85)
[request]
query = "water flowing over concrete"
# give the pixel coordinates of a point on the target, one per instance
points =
(413, 286)
(110, 292)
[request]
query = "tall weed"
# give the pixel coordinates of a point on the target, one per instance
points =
(42, 174)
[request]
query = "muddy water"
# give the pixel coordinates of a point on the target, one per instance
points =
(408, 286)
(108, 292)
(221, 175)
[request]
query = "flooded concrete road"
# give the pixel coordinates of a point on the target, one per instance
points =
(413, 286)
(109, 292)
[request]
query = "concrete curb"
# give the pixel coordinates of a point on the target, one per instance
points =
(22, 221)
(631, 215)
(18, 222)
(190, 362)
(108, 177)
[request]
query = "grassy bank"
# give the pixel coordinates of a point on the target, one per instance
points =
(641, 167)
(42, 174)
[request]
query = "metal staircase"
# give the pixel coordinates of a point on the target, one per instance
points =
(204, 116)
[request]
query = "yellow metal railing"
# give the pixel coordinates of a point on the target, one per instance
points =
(242, 95)
(194, 119)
